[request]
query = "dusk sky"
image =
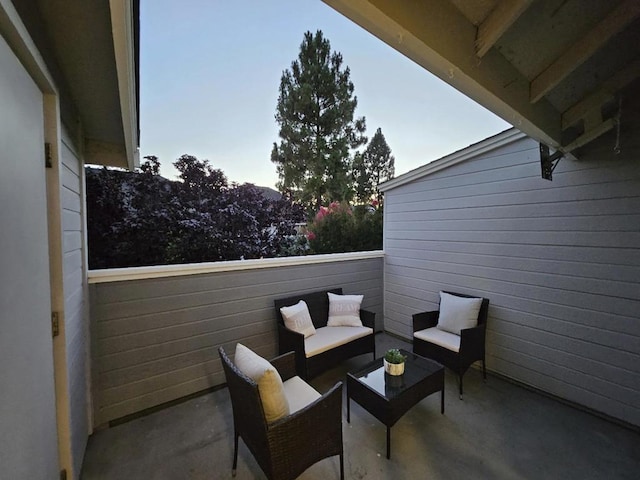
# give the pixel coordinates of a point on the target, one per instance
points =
(210, 72)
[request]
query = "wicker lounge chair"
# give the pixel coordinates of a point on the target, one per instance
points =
(467, 348)
(288, 446)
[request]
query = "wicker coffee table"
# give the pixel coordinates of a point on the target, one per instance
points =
(389, 397)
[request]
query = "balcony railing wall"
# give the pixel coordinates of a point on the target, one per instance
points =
(155, 331)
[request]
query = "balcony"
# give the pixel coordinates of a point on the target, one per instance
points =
(499, 431)
(158, 384)
(567, 320)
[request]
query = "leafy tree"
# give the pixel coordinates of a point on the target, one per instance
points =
(221, 222)
(130, 218)
(199, 177)
(142, 218)
(374, 166)
(318, 131)
(151, 165)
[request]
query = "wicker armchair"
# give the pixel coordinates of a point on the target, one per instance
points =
(287, 447)
(471, 341)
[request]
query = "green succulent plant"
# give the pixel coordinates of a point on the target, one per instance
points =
(393, 355)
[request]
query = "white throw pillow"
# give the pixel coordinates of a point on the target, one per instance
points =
(270, 387)
(297, 318)
(458, 313)
(344, 310)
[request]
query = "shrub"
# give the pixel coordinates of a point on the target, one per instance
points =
(341, 228)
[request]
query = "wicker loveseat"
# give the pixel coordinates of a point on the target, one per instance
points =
(311, 360)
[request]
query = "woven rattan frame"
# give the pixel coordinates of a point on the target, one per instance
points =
(318, 303)
(472, 342)
(287, 447)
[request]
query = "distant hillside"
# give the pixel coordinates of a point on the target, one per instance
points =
(267, 192)
(270, 193)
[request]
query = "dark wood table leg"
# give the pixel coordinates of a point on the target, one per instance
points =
(348, 410)
(442, 401)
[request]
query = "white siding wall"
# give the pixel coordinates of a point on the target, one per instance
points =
(156, 340)
(559, 261)
(75, 299)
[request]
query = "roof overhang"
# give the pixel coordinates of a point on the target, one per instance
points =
(556, 70)
(472, 151)
(91, 51)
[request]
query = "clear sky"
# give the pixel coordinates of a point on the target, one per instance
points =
(210, 72)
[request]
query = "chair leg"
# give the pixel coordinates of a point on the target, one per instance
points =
(484, 371)
(235, 455)
(460, 383)
(342, 466)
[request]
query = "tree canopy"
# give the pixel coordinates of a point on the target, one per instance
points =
(141, 218)
(374, 166)
(318, 129)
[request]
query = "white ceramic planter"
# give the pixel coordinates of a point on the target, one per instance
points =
(394, 368)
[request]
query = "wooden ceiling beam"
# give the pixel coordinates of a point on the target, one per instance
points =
(604, 94)
(497, 22)
(438, 37)
(580, 51)
(590, 135)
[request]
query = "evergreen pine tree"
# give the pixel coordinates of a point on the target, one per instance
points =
(374, 166)
(318, 132)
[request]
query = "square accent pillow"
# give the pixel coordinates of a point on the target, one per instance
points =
(297, 318)
(270, 387)
(344, 310)
(458, 313)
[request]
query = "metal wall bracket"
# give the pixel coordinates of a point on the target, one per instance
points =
(548, 162)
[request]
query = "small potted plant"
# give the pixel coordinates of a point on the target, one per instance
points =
(394, 362)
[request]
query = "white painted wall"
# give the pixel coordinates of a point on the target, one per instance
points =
(28, 438)
(559, 261)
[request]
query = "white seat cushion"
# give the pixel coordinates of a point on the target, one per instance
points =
(270, 387)
(446, 340)
(299, 393)
(458, 313)
(327, 338)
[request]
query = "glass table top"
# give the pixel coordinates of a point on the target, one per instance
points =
(416, 368)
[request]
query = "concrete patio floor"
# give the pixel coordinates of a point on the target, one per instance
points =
(499, 431)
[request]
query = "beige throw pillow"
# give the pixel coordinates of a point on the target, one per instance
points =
(458, 313)
(297, 318)
(270, 387)
(344, 310)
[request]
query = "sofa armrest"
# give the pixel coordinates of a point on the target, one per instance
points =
(425, 320)
(290, 341)
(368, 319)
(285, 364)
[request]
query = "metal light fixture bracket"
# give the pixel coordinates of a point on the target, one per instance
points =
(548, 163)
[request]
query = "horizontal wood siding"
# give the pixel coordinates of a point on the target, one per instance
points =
(156, 340)
(559, 261)
(76, 318)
